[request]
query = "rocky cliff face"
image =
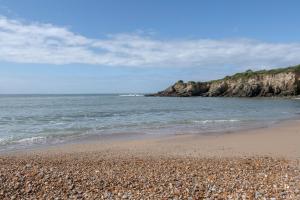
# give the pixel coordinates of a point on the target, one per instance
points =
(249, 84)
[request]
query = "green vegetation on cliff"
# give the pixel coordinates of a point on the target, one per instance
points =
(249, 73)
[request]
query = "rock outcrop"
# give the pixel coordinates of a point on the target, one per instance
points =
(278, 82)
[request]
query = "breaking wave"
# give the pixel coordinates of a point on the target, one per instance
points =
(131, 95)
(216, 121)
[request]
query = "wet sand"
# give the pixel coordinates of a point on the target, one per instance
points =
(253, 164)
(279, 140)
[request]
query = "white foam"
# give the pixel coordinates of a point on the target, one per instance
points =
(216, 121)
(131, 95)
(31, 139)
(2, 140)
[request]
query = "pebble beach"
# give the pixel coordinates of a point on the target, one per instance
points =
(105, 176)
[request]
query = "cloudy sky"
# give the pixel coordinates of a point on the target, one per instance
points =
(91, 46)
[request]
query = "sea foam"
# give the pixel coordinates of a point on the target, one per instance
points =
(131, 95)
(216, 121)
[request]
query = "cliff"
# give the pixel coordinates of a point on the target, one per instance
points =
(277, 82)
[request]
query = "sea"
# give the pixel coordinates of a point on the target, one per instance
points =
(27, 121)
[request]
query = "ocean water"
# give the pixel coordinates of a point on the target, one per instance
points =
(28, 120)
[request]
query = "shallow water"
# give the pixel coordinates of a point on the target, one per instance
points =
(27, 120)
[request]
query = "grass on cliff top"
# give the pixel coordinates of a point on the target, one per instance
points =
(249, 73)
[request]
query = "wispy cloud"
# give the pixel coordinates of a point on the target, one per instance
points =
(24, 42)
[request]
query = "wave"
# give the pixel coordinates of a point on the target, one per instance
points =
(23, 141)
(216, 121)
(31, 140)
(131, 95)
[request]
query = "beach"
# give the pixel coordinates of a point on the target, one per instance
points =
(258, 163)
(149, 100)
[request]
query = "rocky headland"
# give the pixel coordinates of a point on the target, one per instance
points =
(264, 83)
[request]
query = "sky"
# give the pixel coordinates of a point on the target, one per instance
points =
(139, 46)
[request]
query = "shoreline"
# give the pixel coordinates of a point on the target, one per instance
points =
(16, 141)
(279, 139)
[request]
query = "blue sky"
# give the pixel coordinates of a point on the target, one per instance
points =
(93, 46)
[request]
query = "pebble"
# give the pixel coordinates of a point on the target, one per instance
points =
(106, 176)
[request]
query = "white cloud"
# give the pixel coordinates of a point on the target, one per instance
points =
(23, 42)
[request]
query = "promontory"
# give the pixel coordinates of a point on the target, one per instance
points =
(263, 83)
